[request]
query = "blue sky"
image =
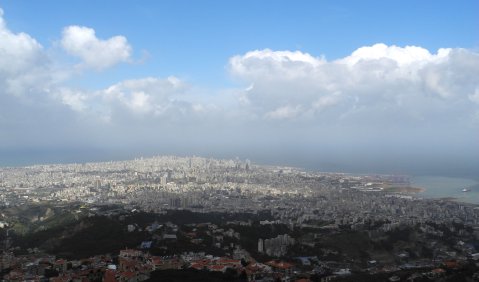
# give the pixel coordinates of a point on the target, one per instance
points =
(194, 39)
(367, 86)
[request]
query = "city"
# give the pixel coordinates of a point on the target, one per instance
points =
(256, 222)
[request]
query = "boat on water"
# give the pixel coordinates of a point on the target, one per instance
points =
(466, 190)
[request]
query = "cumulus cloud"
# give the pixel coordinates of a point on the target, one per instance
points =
(36, 106)
(96, 53)
(76, 100)
(402, 56)
(271, 64)
(30, 84)
(23, 64)
(137, 101)
(149, 95)
(379, 82)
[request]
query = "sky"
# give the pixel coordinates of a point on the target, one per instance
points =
(352, 86)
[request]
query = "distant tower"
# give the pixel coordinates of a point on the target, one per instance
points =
(97, 184)
(260, 245)
(163, 180)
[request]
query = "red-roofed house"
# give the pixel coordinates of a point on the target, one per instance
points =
(127, 264)
(230, 262)
(110, 276)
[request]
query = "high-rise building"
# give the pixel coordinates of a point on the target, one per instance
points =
(163, 180)
(260, 245)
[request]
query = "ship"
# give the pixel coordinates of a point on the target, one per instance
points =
(466, 190)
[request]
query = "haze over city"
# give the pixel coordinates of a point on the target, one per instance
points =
(387, 87)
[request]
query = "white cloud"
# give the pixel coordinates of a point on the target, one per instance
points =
(96, 53)
(402, 56)
(381, 84)
(23, 64)
(270, 64)
(144, 96)
(74, 99)
(285, 112)
(132, 101)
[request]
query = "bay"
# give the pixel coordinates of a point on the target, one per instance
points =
(447, 187)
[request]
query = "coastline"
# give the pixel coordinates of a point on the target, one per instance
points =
(417, 190)
(447, 189)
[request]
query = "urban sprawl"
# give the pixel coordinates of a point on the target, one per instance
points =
(269, 223)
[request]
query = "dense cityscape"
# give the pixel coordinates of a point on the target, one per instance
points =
(248, 221)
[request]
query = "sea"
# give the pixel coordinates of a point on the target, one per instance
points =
(437, 187)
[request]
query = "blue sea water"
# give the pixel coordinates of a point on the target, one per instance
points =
(447, 187)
